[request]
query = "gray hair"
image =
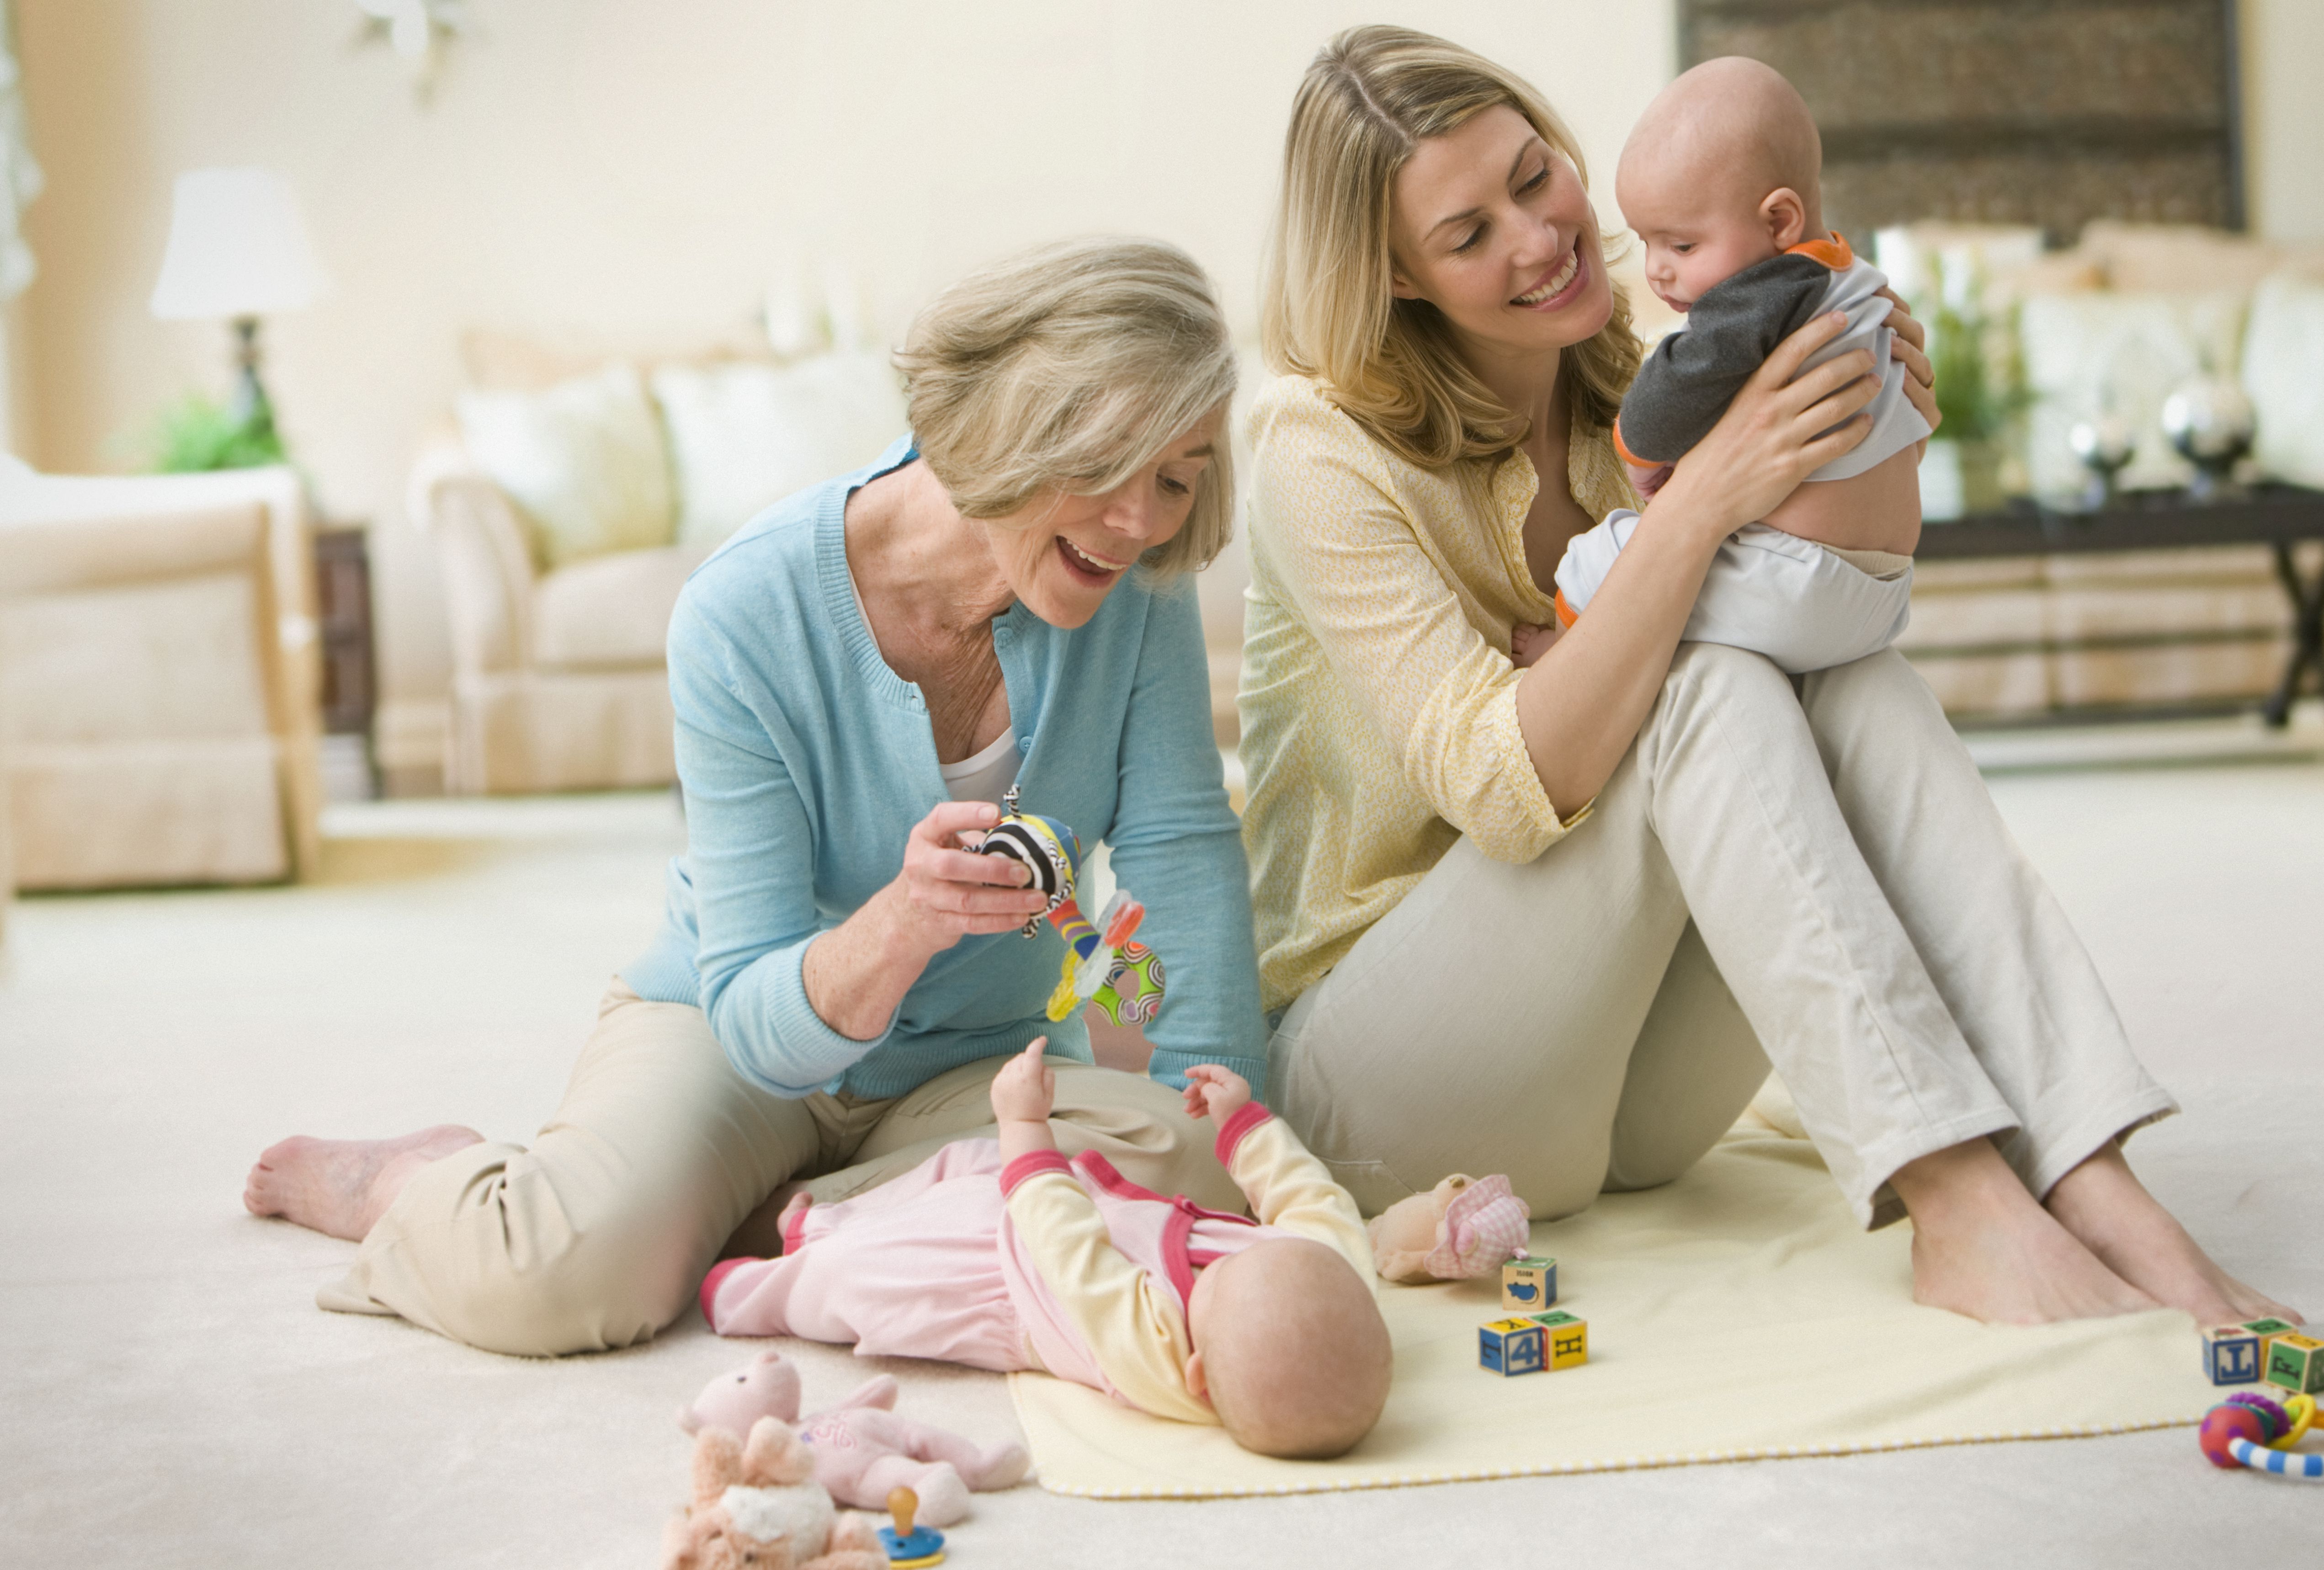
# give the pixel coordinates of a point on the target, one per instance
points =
(1068, 368)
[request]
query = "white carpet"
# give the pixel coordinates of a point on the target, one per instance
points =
(170, 1397)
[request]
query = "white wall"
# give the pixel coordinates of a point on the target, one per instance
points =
(637, 171)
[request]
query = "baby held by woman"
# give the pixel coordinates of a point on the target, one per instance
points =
(1005, 1255)
(1722, 182)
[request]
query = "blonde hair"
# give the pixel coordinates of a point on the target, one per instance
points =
(1370, 97)
(1067, 369)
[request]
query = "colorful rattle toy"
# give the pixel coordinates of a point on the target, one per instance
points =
(907, 1549)
(1102, 965)
(2252, 1430)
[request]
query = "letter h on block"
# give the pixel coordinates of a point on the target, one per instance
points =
(1511, 1346)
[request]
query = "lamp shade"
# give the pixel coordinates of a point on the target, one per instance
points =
(237, 248)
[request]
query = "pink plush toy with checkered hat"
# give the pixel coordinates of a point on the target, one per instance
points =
(863, 1449)
(1463, 1227)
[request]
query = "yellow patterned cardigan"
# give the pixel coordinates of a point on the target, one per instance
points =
(1379, 704)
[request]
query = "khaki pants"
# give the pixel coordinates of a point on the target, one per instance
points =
(1811, 874)
(662, 1155)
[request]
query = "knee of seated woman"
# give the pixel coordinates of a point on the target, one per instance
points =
(598, 1292)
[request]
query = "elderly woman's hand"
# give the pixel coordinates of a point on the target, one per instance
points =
(946, 893)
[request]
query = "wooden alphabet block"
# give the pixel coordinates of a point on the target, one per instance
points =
(2296, 1363)
(2231, 1355)
(1511, 1346)
(1529, 1283)
(1569, 1338)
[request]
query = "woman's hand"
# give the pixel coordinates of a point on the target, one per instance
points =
(1910, 346)
(1219, 1092)
(1778, 431)
(857, 974)
(1023, 1092)
(945, 893)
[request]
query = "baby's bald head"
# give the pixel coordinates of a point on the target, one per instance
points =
(1295, 1355)
(1733, 123)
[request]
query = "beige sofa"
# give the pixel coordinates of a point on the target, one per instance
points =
(159, 715)
(566, 515)
(558, 679)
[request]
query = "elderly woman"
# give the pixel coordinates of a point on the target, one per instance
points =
(1556, 922)
(859, 676)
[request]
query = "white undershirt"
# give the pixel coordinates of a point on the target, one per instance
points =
(987, 776)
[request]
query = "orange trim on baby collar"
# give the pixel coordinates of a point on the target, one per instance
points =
(1831, 251)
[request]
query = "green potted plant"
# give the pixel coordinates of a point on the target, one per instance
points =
(1981, 393)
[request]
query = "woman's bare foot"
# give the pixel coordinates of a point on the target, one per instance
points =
(1982, 1247)
(341, 1186)
(2102, 1203)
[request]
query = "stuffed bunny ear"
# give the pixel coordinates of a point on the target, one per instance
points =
(773, 1454)
(717, 1465)
(1484, 1227)
(688, 1422)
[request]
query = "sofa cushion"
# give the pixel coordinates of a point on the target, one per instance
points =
(610, 613)
(744, 435)
(2283, 372)
(583, 460)
(172, 659)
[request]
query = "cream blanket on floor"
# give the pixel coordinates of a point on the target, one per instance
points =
(1735, 1313)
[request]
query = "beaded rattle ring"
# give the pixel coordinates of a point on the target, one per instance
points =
(1102, 965)
(2252, 1430)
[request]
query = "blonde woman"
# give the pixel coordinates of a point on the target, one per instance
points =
(859, 676)
(1556, 922)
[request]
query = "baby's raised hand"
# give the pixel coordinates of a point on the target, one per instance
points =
(1215, 1092)
(1025, 1088)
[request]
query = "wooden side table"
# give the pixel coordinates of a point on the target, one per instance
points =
(2280, 516)
(343, 610)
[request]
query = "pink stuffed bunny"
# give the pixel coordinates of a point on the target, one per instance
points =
(1463, 1227)
(861, 1449)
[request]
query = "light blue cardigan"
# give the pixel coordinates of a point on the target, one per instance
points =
(805, 761)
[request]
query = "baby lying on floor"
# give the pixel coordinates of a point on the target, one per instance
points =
(1721, 180)
(1007, 1256)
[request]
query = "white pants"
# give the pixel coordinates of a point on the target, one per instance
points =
(1814, 870)
(1804, 607)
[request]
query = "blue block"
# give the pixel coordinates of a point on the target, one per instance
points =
(1511, 1346)
(2231, 1355)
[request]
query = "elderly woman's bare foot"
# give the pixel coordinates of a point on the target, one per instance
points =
(2102, 1203)
(341, 1186)
(1982, 1247)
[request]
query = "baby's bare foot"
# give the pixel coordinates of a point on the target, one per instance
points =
(341, 1186)
(2102, 1203)
(1528, 644)
(1982, 1247)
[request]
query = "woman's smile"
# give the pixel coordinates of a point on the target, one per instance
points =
(1561, 285)
(1093, 570)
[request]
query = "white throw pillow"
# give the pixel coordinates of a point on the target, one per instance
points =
(2283, 372)
(2123, 353)
(582, 459)
(744, 435)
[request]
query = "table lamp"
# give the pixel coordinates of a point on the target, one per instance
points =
(238, 251)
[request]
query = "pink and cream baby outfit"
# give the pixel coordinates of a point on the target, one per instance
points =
(1067, 1267)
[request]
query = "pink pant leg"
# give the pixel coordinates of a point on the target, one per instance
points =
(916, 1275)
(959, 1158)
